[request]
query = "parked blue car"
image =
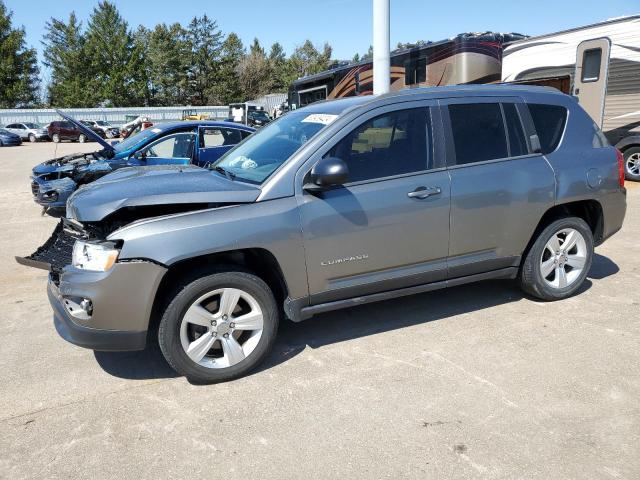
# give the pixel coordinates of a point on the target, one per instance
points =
(8, 139)
(176, 143)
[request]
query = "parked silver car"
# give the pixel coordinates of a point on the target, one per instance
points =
(330, 206)
(28, 131)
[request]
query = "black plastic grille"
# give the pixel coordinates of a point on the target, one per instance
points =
(58, 250)
(35, 188)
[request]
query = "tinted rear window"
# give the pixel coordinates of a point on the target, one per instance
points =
(549, 121)
(478, 132)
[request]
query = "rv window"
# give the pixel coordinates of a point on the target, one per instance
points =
(391, 144)
(415, 71)
(478, 132)
(591, 65)
(549, 121)
(517, 140)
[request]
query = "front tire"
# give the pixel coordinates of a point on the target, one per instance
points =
(82, 138)
(219, 327)
(55, 138)
(632, 164)
(559, 260)
(32, 138)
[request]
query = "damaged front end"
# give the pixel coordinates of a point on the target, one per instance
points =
(53, 181)
(57, 251)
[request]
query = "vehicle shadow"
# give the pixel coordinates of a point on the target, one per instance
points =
(356, 322)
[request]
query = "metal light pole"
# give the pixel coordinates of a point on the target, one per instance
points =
(381, 40)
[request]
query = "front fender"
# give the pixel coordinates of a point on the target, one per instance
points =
(273, 225)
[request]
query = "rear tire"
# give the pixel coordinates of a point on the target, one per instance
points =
(553, 270)
(632, 164)
(56, 138)
(216, 344)
(32, 138)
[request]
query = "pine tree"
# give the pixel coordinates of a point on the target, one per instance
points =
(64, 56)
(254, 72)
(167, 58)
(205, 41)
(278, 69)
(109, 61)
(227, 89)
(18, 65)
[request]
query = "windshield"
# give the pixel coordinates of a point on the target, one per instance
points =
(32, 125)
(136, 139)
(260, 115)
(264, 151)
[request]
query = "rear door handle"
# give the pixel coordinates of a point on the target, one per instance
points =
(424, 192)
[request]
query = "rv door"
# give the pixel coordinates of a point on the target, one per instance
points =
(591, 75)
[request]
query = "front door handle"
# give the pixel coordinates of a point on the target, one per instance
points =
(424, 192)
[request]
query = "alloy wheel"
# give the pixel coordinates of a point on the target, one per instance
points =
(563, 258)
(633, 163)
(221, 328)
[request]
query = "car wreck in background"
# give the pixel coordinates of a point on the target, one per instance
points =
(176, 143)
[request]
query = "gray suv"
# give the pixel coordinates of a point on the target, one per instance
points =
(334, 205)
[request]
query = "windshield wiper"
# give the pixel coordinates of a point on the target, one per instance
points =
(226, 173)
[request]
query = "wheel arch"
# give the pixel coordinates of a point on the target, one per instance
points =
(628, 142)
(589, 210)
(259, 261)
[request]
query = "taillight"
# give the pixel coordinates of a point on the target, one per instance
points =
(620, 167)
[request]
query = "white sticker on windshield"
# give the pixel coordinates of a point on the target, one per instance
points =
(156, 130)
(323, 118)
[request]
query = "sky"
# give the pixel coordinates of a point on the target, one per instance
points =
(345, 24)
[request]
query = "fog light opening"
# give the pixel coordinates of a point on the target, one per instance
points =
(79, 307)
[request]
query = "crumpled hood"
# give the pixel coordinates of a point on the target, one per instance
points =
(156, 185)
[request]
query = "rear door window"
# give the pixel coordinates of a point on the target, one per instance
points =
(549, 121)
(478, 132)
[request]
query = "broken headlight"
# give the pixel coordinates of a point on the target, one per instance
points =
(96, 257)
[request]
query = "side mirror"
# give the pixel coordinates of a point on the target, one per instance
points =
(140, 155)
(534, 140)
(328, 172)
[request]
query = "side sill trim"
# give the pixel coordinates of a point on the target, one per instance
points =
(297, 314)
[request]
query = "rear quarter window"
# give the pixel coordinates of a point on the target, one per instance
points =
(549, 121)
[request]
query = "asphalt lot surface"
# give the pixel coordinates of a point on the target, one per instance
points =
(474, 382)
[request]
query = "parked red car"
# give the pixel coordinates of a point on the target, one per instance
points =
(64, 130)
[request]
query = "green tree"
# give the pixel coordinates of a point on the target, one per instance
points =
(18, 65)
(227, 89)
(278, 69)
(205, 41)
(109, 61)
(307, 60)
(168, 60)
(64, 55)
(254, 72)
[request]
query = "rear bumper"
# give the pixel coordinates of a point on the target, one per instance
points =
(121, 298)
(614, 208)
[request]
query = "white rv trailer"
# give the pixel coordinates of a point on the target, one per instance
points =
(600, 65)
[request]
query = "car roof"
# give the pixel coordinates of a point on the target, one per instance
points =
(337, 107)
(202, 123)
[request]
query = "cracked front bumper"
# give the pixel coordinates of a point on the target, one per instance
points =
(52, 193)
